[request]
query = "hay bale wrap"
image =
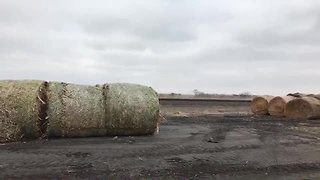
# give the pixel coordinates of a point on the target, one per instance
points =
(131, 109)
(259, 105)
(19, 105)
(303, 108)
(75, 110)
(278, 104)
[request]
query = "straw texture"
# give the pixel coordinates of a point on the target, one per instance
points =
(131, 109)
(303, 108)
(75, 110)
(19, 104)
(260, 104)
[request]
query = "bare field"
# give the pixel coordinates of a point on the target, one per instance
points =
(223, 146)
(206, 97)
(197, 107)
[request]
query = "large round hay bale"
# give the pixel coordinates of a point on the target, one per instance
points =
(303, 108)
(75, 110)
(19, 110)
(278, 104)
(131, 109)
(259, 105)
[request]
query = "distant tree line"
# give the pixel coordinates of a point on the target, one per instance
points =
(198, 93)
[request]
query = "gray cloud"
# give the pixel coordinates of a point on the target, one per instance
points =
(175, 46)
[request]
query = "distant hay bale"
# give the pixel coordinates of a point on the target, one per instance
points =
(297, 95)
(300, 95)
(317, 96)
(75, 110)
(19, 104)
(131, 109)
(260, 104)
(278, 104)
(303, 108)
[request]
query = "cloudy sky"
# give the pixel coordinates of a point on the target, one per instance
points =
(230, 46)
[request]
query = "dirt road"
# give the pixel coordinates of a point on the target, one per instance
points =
(222, 147)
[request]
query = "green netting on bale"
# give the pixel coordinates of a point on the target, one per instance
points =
(75, 110)
(131, 109)
(19, 110)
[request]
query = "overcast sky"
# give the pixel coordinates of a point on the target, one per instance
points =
(230, 46)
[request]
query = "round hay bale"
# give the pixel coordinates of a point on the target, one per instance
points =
(19, 115)
(75, 110)
(303, 108)
(278, 104)
(259, 105)
(131, 109)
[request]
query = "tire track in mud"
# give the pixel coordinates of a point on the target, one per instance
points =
(202, 169)
(155, 152)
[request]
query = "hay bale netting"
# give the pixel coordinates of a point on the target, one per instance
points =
(303, 108)
(19, 110)
(75, 110)
(131, 109)
(259, 105)
(278, 104)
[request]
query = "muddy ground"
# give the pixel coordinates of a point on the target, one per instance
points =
(224, 146)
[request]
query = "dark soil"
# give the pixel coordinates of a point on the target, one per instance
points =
(207, 147)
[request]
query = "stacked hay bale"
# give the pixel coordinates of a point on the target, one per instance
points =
(292, 106)
(260, 104)
(277, 105)
(34, 109)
